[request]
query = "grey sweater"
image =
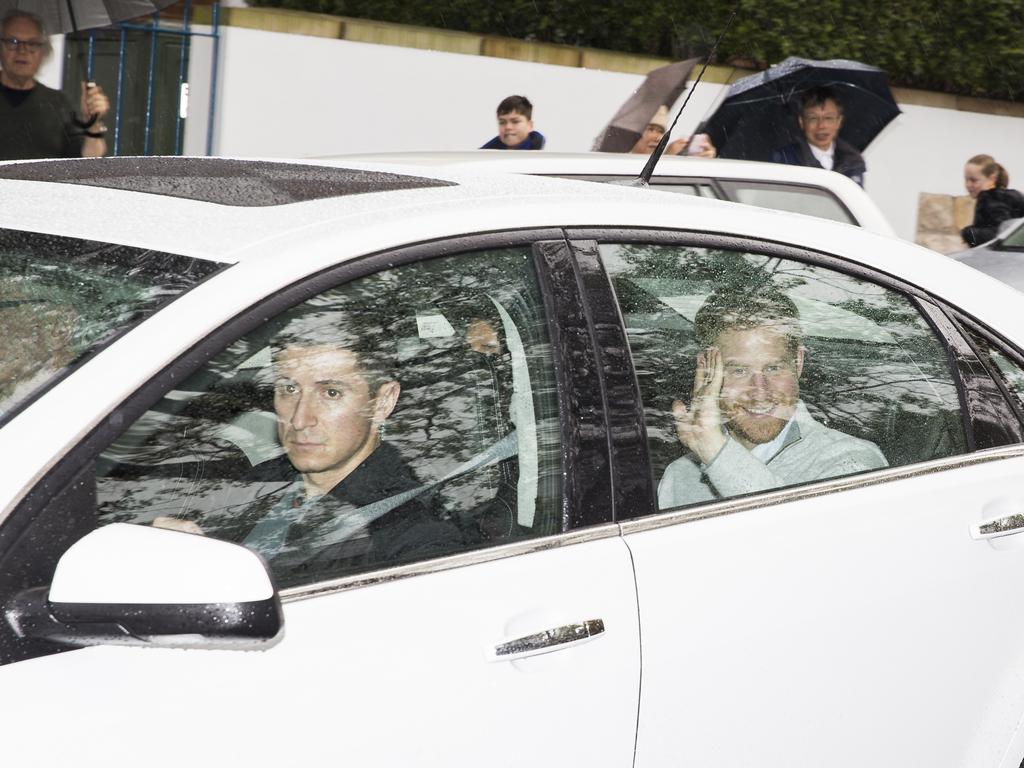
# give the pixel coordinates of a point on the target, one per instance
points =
(811, 451)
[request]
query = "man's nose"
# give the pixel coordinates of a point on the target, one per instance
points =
(303, 413)
(758, 381)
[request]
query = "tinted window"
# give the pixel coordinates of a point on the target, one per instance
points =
(405, 415)
(62, 298)
(1013, 375)
(1015, 239)
(812, 201)
(757, 372)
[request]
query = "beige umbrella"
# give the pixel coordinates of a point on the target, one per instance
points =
(661, 87)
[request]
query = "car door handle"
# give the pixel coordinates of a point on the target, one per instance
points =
(549, 640)
(1004, 525)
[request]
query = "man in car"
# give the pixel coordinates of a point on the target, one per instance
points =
(341, 498)
(746, 428)
(37, 121)
(821, 117)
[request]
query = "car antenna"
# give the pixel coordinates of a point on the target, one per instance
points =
(644, 178)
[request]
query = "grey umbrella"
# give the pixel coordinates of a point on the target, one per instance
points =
(62, 16)
(661, 87)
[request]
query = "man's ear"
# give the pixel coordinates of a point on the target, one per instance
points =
(387, 396)
(800, 360)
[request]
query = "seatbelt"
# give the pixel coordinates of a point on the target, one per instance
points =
(347, 525)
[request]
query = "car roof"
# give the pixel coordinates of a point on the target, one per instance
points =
(628, 166)
(281, 243)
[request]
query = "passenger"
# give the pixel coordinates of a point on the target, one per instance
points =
(515, 126)
(746, 428)
(986, 181)
(821, 118)
(340, 497)
(698, 145)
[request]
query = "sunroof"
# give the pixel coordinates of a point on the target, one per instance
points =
(217, 180)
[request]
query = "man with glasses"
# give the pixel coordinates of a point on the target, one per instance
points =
(37, 121)
(821, 117)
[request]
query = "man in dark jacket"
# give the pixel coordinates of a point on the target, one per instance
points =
(340, 499)
(37, 121)
(821, 117)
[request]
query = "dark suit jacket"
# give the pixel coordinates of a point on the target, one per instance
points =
(846, 160)
(414, 530)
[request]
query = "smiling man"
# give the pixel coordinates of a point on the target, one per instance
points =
(746, 429)
(821, 118)
(515, 126)
(37, 121)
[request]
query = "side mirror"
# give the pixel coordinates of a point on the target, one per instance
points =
(138, 585)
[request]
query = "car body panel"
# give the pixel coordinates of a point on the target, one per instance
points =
(384, 675)
(847, 621)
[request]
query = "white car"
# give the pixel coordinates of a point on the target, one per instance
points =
(1001, 256)
(811, 191)
(513, 574)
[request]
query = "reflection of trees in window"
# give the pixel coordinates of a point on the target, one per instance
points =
(61, 297)
(873, 366)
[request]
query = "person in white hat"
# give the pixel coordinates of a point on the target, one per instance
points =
(699, 144)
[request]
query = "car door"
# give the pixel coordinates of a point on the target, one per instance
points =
(863, 615)
(510, 638)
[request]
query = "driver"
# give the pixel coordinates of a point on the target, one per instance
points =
(340, 497)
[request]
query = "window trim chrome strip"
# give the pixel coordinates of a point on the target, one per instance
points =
(650, 523)
(451, 562)
(824, 488)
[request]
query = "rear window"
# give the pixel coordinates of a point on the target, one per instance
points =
(810, 201)
(61, 299)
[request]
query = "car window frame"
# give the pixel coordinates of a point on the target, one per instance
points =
(961, 362)
(584, 431)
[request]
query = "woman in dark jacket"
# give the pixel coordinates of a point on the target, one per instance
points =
(986, 181)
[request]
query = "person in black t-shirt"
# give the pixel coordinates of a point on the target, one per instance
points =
(340, 499)
(37, 121)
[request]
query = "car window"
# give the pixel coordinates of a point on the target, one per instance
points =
(758, 372)
(696, 189)
(1012, 373)
(812, 201)
(1014, 240)
(665, 184)
(402, 416)
(62, 298)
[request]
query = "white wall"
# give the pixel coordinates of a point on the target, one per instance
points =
(298, 96)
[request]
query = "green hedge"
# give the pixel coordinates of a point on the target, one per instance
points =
(973, 47)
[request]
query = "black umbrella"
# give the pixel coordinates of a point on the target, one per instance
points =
(759, 113)
(661, 87)
(63, 16)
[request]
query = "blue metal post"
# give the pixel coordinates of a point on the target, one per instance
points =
(213, 78)
(122, 54)
(154, 34)
(182, 74)
(90, 56)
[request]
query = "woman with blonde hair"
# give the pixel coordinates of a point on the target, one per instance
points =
(986, 181)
